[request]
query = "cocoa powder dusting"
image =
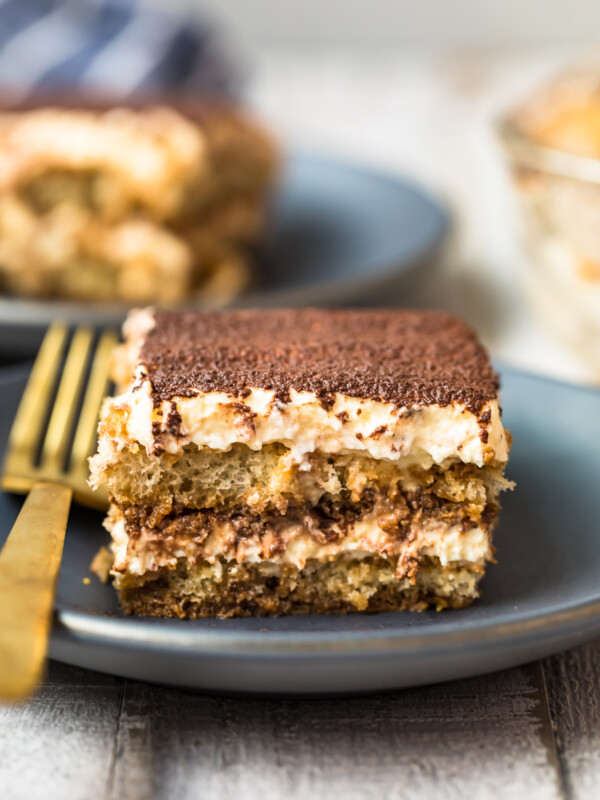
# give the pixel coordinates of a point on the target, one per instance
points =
(173, 423)
(402, 357)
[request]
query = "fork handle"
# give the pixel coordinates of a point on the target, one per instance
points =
(29, 565)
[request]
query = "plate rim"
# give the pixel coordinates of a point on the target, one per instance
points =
(118, 630)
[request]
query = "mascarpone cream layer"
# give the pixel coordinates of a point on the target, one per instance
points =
(423, 434)
(448, 543)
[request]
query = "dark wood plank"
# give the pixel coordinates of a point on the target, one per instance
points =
(573, 682)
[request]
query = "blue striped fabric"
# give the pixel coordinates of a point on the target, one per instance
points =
(119, 46)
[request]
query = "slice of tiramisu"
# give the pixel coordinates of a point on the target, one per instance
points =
(275, 462)
(154, 203)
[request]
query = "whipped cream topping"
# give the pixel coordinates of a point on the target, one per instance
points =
(424, 434)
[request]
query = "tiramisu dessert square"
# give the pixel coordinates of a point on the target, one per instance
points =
(277, 462)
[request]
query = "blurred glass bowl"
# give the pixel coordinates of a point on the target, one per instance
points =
(553, 144)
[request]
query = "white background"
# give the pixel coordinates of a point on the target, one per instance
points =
(388, 22)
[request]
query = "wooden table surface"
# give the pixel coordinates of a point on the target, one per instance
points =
(531, 732)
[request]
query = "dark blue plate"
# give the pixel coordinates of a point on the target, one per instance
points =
(542, 596)
(340, 234)
(346, 234)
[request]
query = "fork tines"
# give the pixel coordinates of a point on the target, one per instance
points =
(54, 431)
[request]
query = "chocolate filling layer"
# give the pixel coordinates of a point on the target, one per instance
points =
(229, 590)
(392, 512)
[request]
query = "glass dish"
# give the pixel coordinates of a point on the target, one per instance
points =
(553, 144)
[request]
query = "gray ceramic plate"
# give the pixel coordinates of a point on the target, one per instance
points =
(340, 234)
(543, 595)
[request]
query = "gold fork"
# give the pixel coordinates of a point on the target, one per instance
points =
(47, 454)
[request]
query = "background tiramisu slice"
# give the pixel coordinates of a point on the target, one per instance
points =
(271, 462)
(138, 204)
